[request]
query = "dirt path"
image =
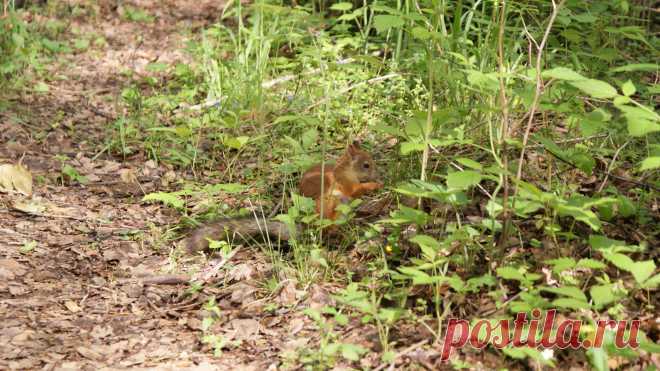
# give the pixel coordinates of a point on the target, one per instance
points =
(76, 300)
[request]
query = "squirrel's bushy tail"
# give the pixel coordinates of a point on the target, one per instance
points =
(232, 229)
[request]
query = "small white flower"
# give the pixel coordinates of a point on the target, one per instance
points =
(547, 354)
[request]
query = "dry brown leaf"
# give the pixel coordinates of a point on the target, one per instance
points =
(288, 295)
(72, 306)
(29, 206)
(15, 178)
(245, 328)
(10, 268)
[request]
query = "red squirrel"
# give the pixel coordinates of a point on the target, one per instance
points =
(353, 175)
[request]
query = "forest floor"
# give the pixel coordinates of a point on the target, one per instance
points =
(92, 277)
(77, 299)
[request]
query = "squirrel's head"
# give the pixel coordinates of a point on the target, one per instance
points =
(361, 163)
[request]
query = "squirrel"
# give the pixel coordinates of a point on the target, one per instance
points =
(329, 185)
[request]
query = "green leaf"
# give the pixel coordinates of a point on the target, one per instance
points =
(628, 88)
(600, 242)
(595, 88)
(237, 142)
(598, 358)
(484, 81)
(384, 22)
(581, 213)
(166, 198)
(510, 273)
(639, 127)
(570, 303)
(81, 44)
(626, 206)
(643, 270)
(602, 295)
(344, 6)
(650, 163)
(646, 67)
(562, 73)
(41, 87)
(463, 179)
(407, 147)
(591, 264)
(569, 291)
(421, 33)
(620, 261)
(652, 283)
(418, 277)
(469, 163)
(352, 352)
(429, 245)
(561, 264)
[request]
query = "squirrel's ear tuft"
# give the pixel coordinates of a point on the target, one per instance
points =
(353, 148)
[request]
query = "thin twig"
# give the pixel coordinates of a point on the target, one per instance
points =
(621, 178)
(610, 166)
(538, 91)
(402, 354)
(572, 140)
(346, 90)
(505, 127)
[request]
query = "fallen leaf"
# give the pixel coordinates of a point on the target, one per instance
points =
(31, 206)
(72, 306)
(10, 268)
(245, 328)
(15, 177)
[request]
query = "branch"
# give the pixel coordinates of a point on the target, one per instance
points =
(538, 91)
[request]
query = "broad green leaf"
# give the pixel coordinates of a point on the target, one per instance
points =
(421, 33)
(166, 198)
(595, 88)
(598, 358)
(463, 179)
(562, 73)
(479, 79)
(600, 242)
(602, 295)
(643, 270)
(225, 187)
(621, 261)
(626, 207)
(638, 127)
(344, 6)
(628, 88)
(510, 273)
(41, 87)
(646, 67)
(569, 291)
(580, 213)
(570, 303)
(428, 244)
(591, 264)
(418, 277)
(352, 352)
(407, 147)
(650, 163)
(469, 163)
(561, 264)
(645, 113)
(237, 142)
(641, 121)
(384, 22)
(652, 283)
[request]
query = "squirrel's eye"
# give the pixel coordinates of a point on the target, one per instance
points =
(365, 165)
